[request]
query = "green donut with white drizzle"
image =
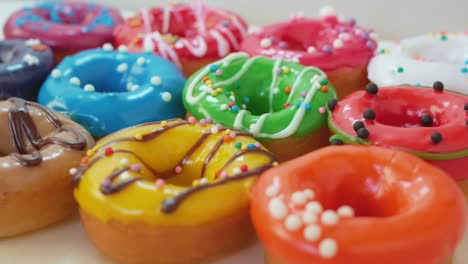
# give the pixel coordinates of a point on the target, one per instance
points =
(272, 99)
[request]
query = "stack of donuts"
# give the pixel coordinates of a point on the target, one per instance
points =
(179, 135)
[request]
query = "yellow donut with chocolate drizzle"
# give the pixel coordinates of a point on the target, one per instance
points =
(166, 191)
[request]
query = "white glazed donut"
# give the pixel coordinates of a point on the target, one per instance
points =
(422, 61)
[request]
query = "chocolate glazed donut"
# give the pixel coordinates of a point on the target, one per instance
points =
(24, 65)
(37, 149)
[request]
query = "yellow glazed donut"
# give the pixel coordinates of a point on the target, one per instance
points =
(169, 192)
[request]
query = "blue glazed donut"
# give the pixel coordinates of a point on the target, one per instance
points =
(106, 90)
(24, 65)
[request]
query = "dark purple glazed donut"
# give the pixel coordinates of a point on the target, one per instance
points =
(24, 65)
(66, 26)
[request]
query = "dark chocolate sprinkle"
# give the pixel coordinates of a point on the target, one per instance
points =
(169, 205)
(438, 86)
(466, 107)
(436, 137)
(369, 114)
(363, 133)
(336, 142)
(372, 88)
(426, 120)
(358, 125)
(332, 104)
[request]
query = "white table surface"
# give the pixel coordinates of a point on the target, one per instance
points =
(66, 243)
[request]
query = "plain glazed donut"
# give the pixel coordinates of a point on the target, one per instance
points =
(66, 26)
(341, 49)
(128, 89)
(24, 67)
(429, 123)
(37, 150)
(171, 191)
(357, 205)
(190, 35)
(283, 104)
(423, 60)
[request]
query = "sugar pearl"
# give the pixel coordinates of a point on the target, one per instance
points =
(277, 208)
(272, 190)
(266, 43)
(192, 120)
(309, 194)
(123, 48)
(178, 169)
(89, 88)
(75, 81)
(337, 43)
(311, 49)
(214, 130)
(293, 223)
(327, 11)
(328, 248)
(122, 67)
(160, 183)
(298, 198)
(309, 217)
(276, 90)
(56, 73)
(203, 181)
(107, 47)
(73, 171)
(329, 218)
(155, 80)
(124, 161)
(346, 211)
(312, 233)
(314, 207)
(166, 96)
(141, 61)
(224, 107)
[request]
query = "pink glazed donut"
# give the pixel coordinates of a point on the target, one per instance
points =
(65, 26)
(340, 48)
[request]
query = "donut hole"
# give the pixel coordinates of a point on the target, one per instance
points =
(449, 52)
(398, 112)
(116, 82)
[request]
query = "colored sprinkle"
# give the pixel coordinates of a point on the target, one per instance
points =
(307, 107)
(303, 94)
(213, 67)
(286, 105)
(400, 69)
(327, 49)
(466, 62)
(192, 120)
(464, 70)
(246, 100)
(321, 110)
(244, 147)
(136, 167)
(138, 136)
(325, 89)
(219, 72)
(84, 160)
(299, 104)
(286, 70)
(287, 90)
(160, 183)
(235, 108)
(244, 168)
(275, 164)
(227, 138)
(323, 82)
(233, 134)
(89, 153)
(443, 38)
(251, 146)
(164, 123)
(258, 145)
(178, 169)
(203, 122)
(108, 151)
(238, 145)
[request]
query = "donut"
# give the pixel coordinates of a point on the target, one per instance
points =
(24, 67)
(340, 48)
(429, 123)
(37, 149)
(128, 89)
(66, 26)
(357, 205)
(443, 55)
(153, 191)
(190, 35)
(283, 104)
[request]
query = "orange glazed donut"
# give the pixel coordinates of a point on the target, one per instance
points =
(37, 149)
(357, 204)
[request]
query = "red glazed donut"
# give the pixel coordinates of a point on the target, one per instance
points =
(66, 26)
(341, 49)
(190, 35)
(357, 205)
(430, 123)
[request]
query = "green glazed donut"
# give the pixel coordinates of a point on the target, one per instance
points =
(272, 99)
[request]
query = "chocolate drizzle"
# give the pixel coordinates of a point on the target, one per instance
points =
(26, 137)
(171, 204)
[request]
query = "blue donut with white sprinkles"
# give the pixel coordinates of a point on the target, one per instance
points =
(24, 65)
(106, 90)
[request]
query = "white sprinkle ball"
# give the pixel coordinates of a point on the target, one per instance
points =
(123, 67)
(272, 190)
(89, 88)
(309, 194)
(265, 43)
(328, 248)
(277, 208)
(203, 181)
(345, 211)
(327, 11)
(166, 96)
(329, 218)
(75, 81)
(141, 61)
(124, 161)
(298, 198)
(312, 233)
(73, 171)
(107, 47)
(155, 80)
(56, 73)
(293, 222)
(314, 207)
(309, 217)
(123, 48)
(224, 107)
(311, 49)
(338, 43)
(276, 90)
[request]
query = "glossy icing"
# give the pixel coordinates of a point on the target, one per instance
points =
(24, 66)
(399, 110)
(128, 89)
(325, 42)
(319, 207)
(181, 32)
(59, 24)
(443, 55)
(272, 99)
(204, 176)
